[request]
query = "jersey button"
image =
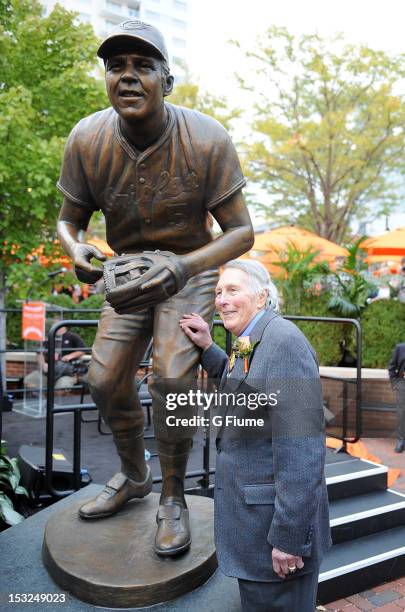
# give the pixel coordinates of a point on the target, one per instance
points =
(142, 166)
(142, 180)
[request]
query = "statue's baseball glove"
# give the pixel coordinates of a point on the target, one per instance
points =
(139, 281)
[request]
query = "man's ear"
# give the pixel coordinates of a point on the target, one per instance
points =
(263, 298)
(168, 85)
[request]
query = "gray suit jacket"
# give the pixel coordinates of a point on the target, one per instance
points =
(270, 487)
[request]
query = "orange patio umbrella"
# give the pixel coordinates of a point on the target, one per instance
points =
(101, 245)
(390, 246)
(64, 260)
(269, 246)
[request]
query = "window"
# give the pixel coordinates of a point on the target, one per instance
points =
(179, 23)
(133, 12)
(113, 6)
(152, 15)
(180, 43)
(180, 6)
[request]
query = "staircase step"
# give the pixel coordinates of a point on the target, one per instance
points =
(358, 565)
(354, 477)
(361, 515)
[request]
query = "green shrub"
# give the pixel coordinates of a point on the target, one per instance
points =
(383, 325)
(219, 335)
(324, 337)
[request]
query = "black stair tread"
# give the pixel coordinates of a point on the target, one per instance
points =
(363, 503)
(352, 466)
(332, 457)
(370, 549)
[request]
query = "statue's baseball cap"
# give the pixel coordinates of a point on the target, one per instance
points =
(137, 31)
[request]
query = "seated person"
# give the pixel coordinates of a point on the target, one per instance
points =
(68, 347)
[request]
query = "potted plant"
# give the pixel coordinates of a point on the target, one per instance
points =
(12, 493)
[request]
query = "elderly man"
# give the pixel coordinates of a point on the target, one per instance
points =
(157, 172)
(271, 506)
(396, 371)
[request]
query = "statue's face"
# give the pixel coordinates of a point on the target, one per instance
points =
(136, 84)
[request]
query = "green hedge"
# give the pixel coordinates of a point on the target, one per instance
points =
(383, 325)
(324, 337)
(219, 335)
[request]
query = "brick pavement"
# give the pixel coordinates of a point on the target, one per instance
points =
(390, 596)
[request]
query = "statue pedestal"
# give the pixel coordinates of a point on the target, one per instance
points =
(110, 562)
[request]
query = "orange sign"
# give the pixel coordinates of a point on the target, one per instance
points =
(33, 321)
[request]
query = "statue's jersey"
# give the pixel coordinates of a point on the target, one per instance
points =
(157, 198)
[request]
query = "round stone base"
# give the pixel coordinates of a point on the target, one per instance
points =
(110, 562)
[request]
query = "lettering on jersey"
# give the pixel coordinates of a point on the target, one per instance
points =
(177, 215)
(113, 199)
(175, 186)
(152, 193)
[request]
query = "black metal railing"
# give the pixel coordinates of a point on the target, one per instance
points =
(78, 408)
(357, 381)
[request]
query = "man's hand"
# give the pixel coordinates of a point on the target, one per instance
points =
(196, 329)
(82, 253)
(282, 561)
(72, 356)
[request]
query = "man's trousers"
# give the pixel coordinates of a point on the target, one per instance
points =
(399, 385)
(120, 344)
(297, 594)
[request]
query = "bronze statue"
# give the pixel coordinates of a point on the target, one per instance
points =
(157, 171)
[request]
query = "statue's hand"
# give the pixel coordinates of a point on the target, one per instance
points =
(82, 253)
(139, 281)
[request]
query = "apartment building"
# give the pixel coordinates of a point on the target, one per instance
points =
(170, 16)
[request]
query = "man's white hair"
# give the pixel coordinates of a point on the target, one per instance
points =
(258, 279)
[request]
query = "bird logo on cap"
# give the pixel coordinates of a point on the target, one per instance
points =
(133, 24)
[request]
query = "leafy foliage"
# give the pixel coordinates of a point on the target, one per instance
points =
(300, 273)
(46, 87)
(353, 286)
(329, 141)
(326, 338)
(383, 324)
(10, 489)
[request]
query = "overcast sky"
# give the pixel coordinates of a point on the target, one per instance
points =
(377, 23)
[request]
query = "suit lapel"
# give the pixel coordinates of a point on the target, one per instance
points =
(255, 338)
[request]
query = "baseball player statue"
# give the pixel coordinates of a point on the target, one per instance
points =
(157, 172)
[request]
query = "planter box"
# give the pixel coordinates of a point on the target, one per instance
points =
(378, 399)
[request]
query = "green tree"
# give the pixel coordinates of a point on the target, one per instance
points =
(46, 86)
(329, 141)
(353, 284)
(298, 275)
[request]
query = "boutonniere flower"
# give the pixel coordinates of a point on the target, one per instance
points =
(242, 348)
